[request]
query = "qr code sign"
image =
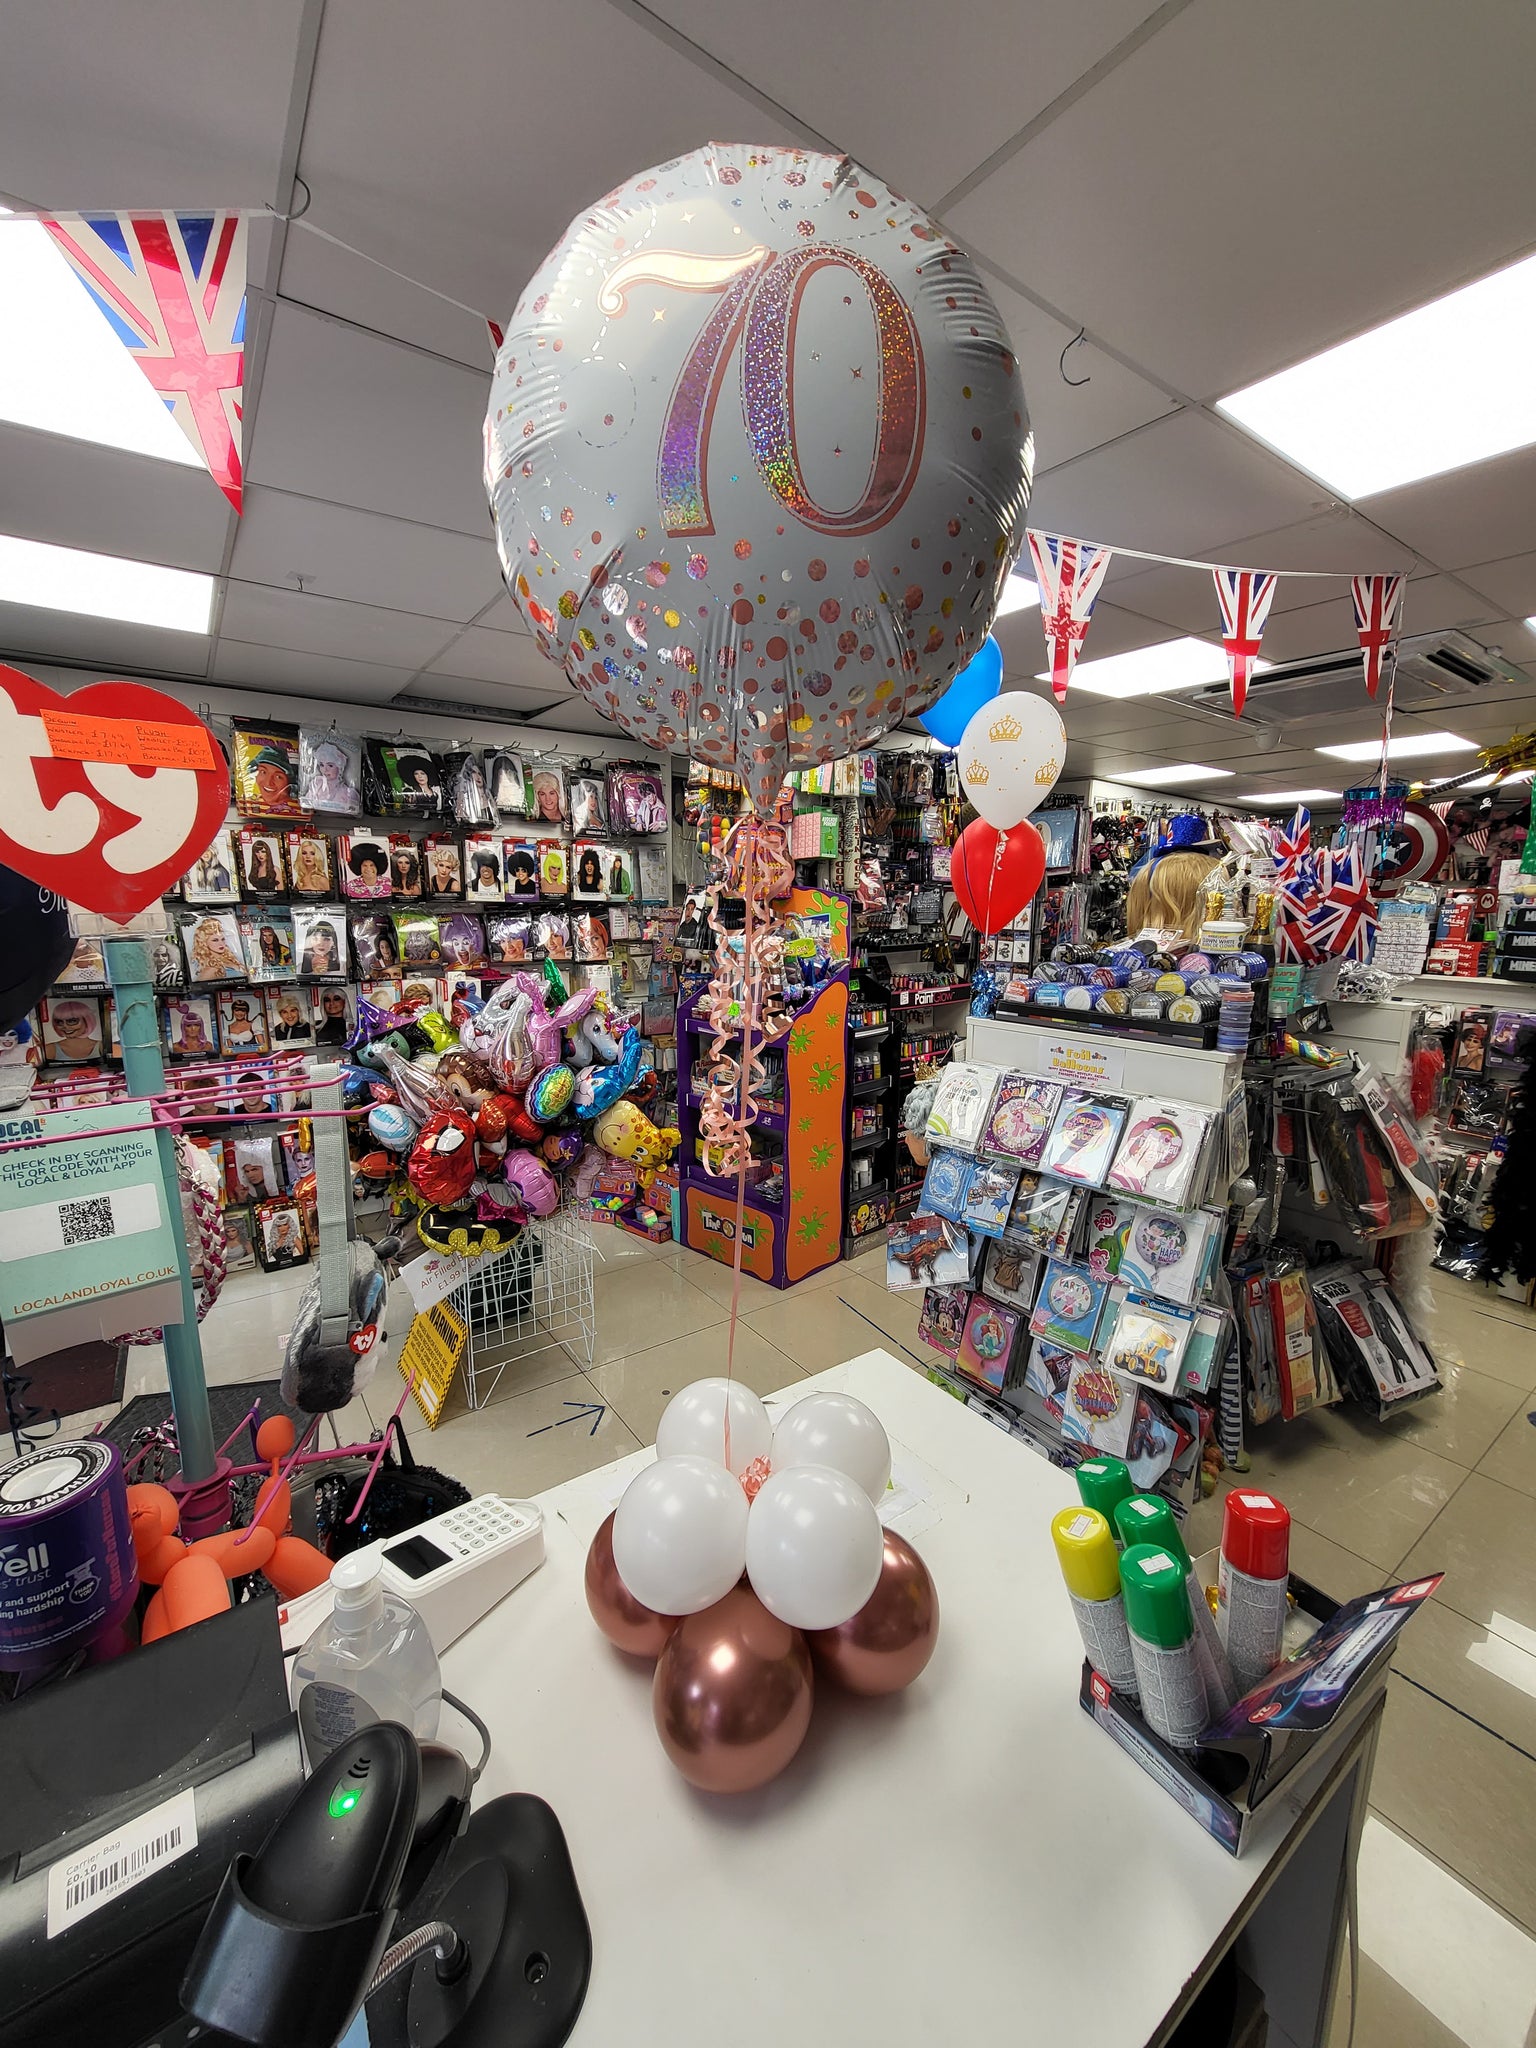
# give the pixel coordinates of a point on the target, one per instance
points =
(86, 1221)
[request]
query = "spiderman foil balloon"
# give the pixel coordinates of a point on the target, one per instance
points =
(758, 459)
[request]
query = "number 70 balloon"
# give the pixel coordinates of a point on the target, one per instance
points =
(757, 458)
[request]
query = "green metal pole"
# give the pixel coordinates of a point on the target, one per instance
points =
(138, 1025)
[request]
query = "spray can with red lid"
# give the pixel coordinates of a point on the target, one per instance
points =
(1251, 1583)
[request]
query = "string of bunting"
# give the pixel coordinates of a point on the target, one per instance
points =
(1071, 572)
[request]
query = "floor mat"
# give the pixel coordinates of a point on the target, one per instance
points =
(227, 1406)
(81, 1376)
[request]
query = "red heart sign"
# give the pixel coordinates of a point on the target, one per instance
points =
(107, 796)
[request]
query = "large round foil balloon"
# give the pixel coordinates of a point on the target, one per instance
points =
(758, 458)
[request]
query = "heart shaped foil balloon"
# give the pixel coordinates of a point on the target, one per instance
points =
(757, 458)
(108, 795)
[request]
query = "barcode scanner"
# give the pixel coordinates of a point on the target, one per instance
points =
(291, 1946)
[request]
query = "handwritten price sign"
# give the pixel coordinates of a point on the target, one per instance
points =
(106, 796)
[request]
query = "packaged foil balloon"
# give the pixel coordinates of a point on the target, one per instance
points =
(758, 459)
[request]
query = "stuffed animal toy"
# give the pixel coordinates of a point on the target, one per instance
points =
(320, 1377)
(624, 1131)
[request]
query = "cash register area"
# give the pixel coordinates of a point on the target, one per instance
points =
(1447, 1873)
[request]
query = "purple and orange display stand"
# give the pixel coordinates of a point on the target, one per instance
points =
(792, 1223)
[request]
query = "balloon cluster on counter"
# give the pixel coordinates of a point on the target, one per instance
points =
(748, 1561)
(491, 1113)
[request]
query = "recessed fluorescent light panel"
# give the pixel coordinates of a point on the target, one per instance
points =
(1431, 391)
(1019, 595)
(103, 586)
(1180, 773)
(1401, 747)
(1273, 797)
(1147, 671)
(62, 369)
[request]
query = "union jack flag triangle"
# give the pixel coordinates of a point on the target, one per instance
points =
(1244, 596)
(1376, 602)
(1069, 573)
(172, 287)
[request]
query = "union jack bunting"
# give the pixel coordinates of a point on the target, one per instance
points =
(1244, 596)
(1344, 923)
(1069, 573)
(172, 287)
(1296, 892)
(1376, 601)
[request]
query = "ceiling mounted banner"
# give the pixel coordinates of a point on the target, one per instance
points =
(1245, 596)
(172, 288)
(1069, 573)
(1377, 599)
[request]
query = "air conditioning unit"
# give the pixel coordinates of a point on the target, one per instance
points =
(1432, 669)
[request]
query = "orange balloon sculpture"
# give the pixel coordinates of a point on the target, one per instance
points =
(889, 1641)
(732, 1694)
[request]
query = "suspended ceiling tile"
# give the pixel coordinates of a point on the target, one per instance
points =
(333, 280)
(1510, 583)
(1251, 186)
(457, 142)
(371, 423)
(920, 108)
(309, 624)
(503, 617)
(113, 503)
(1175, 487)
(361, 556)
(1071, 417)
(27, 631)
(501, 658)
(307, 675)
(167, 105)
(1476, 514)
(1335, 540)
(1114, 631)
(457, 689)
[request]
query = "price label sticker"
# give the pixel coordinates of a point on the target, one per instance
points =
(128, 742)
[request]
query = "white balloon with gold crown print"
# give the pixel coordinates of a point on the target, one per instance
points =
(1011, 756)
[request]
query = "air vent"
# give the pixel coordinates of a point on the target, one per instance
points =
(1433, 669)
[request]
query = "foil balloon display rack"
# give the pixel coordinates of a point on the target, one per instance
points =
(749, 1563)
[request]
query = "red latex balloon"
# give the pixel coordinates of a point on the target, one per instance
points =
(994, 874)
(732, 1694)
(620, 1616)
(889, 1641)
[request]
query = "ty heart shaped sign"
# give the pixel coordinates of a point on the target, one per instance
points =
(107, 796)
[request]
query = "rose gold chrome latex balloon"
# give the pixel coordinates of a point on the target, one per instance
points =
(891, 1638)
(732, 1694)
(623, 1620)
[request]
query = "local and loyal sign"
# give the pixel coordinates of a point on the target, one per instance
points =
(107, 796)
(83, 1217)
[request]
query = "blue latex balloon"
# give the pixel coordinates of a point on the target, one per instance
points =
(977, 684)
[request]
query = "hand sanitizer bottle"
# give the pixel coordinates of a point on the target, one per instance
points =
(370, 1660)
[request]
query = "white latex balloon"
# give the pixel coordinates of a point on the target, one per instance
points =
(680, 1535)
(1010, 756)
(835, 1430)
(694, 1424)
(814, 1546)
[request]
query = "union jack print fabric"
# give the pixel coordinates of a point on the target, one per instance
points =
(172, 286)
(1376, 602)
(1069, 573)
(1245, 596)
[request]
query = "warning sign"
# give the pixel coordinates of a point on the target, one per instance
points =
(430, 1356)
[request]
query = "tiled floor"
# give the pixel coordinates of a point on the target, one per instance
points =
(1448, 1868)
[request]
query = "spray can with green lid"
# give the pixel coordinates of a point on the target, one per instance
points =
(1102, 1483)
(1147, 1518)
(1163, 1644)
(1090, 1565)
